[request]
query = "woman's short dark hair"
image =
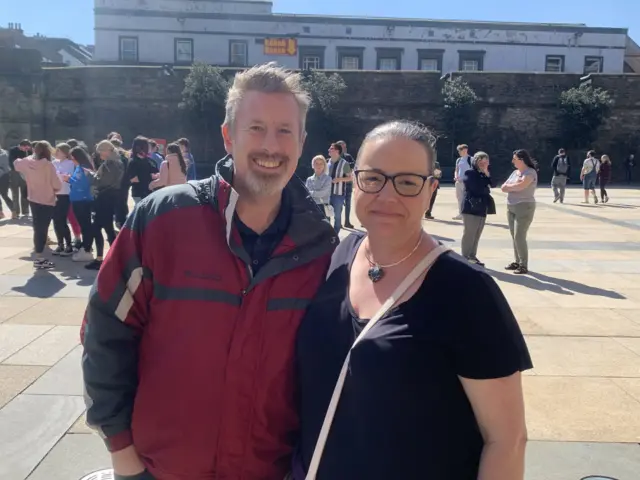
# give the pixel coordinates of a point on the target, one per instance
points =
(140, 145)
(408, 130)
(526, 158)
(81, 156)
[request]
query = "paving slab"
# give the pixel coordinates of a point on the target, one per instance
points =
(576, 460)
(80, 426)
(43, 284)
(12, 306)
(64, 378)
(588, 322)
(16, 337)
(51, 311)
(74, 456)
(47, 349)
(15, 378)
(30, 425)
(580, 409)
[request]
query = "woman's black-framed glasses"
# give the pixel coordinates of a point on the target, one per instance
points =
(406, 184)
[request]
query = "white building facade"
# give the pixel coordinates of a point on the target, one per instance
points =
(246, 32)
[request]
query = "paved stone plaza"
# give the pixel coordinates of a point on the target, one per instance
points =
(579, 308)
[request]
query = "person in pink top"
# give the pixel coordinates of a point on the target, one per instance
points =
(42, 185)
(173, 170)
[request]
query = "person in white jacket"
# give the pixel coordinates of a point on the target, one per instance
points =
(64, 167)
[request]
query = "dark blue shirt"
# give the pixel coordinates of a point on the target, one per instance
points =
(403, 413)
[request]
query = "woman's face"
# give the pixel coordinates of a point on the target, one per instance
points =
(483, 163)
(519, 164)
(104, 154)
(60, 155)
(386, 213)
(319, 167)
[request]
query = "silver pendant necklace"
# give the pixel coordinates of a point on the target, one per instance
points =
(376, 271)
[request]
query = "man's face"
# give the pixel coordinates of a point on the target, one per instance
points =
(334, 153)
(265, 142)
(25, 148)
(463, 152)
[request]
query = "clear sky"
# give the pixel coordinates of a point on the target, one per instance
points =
(74, 18)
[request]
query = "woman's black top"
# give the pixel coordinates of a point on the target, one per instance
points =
(477, 194)
(403, 413)
(142, 168)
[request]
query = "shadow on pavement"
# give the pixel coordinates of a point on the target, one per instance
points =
(619, 205)
(71, 271)
(538, 281)
(41, 285)
(499, 225)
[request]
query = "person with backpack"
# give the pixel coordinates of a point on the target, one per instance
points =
(561, 167)
(589, 175)
(463, 163)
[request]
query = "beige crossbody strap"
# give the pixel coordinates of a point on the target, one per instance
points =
(422, 267)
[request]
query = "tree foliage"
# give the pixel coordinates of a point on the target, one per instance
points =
(459, 100)
(325, 90)
(205, 91)
(583, 109)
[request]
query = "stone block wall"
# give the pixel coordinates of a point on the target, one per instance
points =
(514, 110)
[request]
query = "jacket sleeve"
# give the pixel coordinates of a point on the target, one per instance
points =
(191, 169)
(325, 190)
(472, 183)
(113, 325)
(19, 164)
(163, 179)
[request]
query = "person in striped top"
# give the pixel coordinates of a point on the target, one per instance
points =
(340, 173)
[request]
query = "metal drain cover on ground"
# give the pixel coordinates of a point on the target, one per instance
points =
(597, 477)
(106, 474)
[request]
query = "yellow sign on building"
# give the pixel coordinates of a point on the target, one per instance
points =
(280, 46)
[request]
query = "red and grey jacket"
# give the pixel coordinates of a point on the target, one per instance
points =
(187, 355)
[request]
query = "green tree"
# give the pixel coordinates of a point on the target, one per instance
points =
(203, 97)
(459, 100)
(583, 109)
(323, 126)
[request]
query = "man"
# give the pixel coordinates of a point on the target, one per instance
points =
(348, 186)
(629, 164)
(154, 153)
(18, 184)
(463, 163)
(561, 167)
(340, 173)
(185, 148)
(189, 332)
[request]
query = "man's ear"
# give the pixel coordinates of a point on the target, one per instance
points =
(226, 136)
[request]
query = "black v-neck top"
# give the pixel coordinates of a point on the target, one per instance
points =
(403, 413)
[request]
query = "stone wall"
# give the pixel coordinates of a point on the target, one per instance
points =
(515, 110)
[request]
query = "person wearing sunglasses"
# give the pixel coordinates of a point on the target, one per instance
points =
(398, 378)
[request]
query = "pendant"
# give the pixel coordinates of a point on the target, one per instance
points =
(375, 273)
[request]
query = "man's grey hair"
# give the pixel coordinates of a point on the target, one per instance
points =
(408, 130)
(267, 78)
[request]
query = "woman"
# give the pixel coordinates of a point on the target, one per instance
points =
(64, 167)
(5, 181)
(185, 146)
(520, 188)
(105, 184)
(42, 185)
(81, 201)
(589, 175)
(605, 177)
(173, 169)
(319, 184)
(477, 203)
(140, 169)
(433, 389)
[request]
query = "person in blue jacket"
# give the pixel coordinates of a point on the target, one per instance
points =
(186, 153)
(81, 198)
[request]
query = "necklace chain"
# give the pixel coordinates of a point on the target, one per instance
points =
(376, 264)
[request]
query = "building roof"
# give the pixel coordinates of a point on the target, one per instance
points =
(50, 48)
(632, 55)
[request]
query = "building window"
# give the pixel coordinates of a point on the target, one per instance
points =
(554, 63)
(183, 50)
(348, 30)
(238, 53)
(350, 58)
(311, 57)
(430, 60)
(306, 29)
(389, 58)
(593, 64)
(128, 49)
(471, 60)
